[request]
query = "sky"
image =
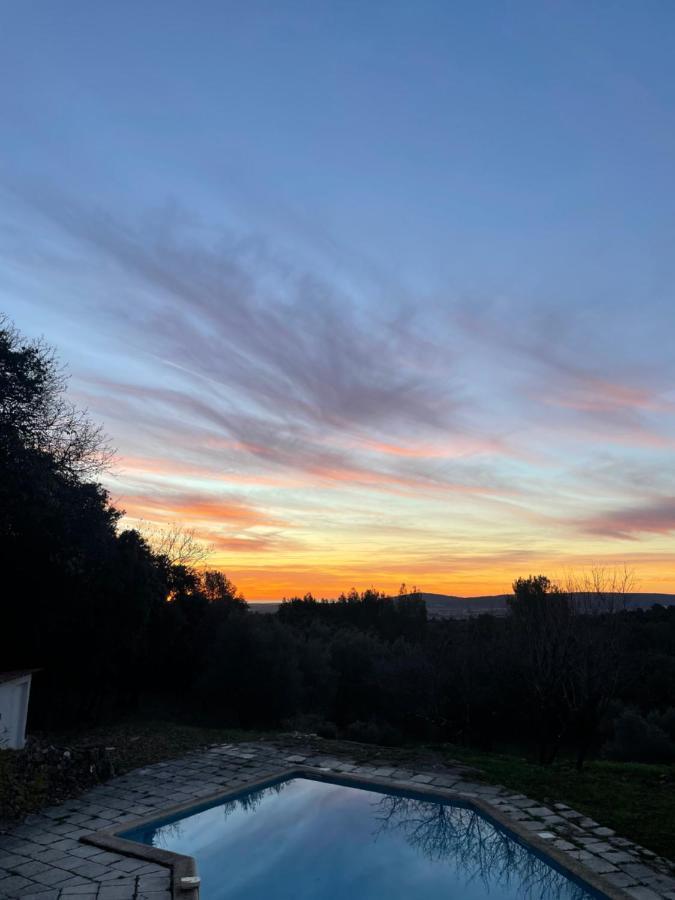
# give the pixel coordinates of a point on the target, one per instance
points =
(363, 293)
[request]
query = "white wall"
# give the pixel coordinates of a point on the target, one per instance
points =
(13, 710)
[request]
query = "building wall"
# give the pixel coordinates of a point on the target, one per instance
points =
(13, 710)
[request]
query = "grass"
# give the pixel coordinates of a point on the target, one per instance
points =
(635, 799)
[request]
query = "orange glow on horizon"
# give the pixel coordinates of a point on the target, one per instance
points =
(274, 584)
(327, 529)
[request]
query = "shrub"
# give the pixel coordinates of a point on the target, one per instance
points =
(373, 733)
(637, 739)
(665, 721)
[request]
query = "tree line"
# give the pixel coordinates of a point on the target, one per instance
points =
(111, 616)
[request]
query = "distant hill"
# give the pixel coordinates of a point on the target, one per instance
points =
(264, 606)
(446, 606)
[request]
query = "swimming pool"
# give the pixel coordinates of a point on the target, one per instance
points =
(302, 838)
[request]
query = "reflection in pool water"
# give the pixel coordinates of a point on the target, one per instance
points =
(303, 839)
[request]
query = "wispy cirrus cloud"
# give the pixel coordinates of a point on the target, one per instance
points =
(629, 523)
(587, 392)
(226, 523)
(175, 468)
(195, 507)
(290, 419)
(272, 359)
(226, 311)
(579, 371)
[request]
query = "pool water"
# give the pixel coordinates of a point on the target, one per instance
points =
(302, 839)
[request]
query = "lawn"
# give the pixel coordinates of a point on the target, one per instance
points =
(635, 799)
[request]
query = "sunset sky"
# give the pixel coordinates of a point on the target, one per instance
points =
(363, 292)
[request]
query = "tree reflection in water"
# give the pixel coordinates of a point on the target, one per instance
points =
(476, 849)
(165, 835)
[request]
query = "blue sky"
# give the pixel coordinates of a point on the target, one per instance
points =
(362, 291)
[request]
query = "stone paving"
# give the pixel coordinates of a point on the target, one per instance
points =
(44, 859)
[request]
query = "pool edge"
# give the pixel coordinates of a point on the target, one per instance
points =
(182, 866)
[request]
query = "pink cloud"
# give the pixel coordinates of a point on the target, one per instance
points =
(591, 393)
(656, 517)
(193, 507)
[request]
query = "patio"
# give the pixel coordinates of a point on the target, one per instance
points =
(44, 857)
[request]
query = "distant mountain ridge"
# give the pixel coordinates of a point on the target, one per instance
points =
(447, 606)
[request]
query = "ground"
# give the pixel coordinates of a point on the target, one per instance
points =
(635, 799)
(58, 766)
(632, 800)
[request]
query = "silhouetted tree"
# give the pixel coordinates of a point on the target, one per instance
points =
(542, 627)
(598, 601)
(77, 598)
(217, 588)
(36, 416)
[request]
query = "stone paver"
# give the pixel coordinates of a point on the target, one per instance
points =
(43, 857)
